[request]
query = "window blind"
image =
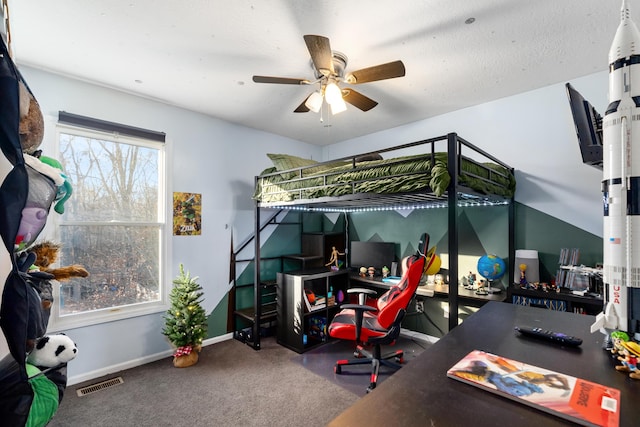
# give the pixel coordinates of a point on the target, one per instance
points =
(106, 126)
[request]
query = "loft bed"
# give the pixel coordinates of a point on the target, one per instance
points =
(446, 171)
(368, 179)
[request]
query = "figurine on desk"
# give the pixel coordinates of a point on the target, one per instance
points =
(616, 338)
(385, 271)
(523, 279)
(371, 271)
(525, 284)
(333, 261)
(470, 281)
(629, 354)
(481, 288)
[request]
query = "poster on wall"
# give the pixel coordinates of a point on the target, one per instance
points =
(187, 214)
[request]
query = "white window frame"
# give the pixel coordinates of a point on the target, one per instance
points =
(94, 317)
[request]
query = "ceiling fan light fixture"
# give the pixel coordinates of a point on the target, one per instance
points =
(333, 94)
(338, 106)
(314, 102)
(329, 68)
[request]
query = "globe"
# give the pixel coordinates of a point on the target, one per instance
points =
(491, 267)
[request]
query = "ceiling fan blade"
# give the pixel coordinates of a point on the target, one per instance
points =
(358, 100)
(321, 55)
(389, 70)
(280, 80)
(302, 108)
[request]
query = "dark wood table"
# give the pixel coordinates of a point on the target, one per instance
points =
(421, 394)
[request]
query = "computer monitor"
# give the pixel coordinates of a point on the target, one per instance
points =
(372, 254)
(588, 124)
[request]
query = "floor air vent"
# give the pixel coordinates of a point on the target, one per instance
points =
(83, 391)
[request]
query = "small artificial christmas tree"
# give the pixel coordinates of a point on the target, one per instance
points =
(185, 321)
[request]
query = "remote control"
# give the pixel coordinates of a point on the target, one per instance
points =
(557, 337)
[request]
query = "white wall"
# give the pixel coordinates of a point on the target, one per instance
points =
(532, 132)
(206, 155)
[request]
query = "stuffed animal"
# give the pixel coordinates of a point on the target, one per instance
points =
(52, 350)
(46, 253)
(36, 265)
(31, 128)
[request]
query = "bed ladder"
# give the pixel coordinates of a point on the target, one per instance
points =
(261, 316)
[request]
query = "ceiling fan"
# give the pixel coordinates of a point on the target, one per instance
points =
(329, 67)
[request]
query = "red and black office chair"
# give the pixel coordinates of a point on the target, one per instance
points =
(376, 326)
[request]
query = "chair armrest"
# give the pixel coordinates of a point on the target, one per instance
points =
(358, 307)
(362, 293)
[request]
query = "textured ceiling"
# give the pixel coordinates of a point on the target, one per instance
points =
(201, 54)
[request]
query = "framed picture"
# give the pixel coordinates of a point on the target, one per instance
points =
(187, 214)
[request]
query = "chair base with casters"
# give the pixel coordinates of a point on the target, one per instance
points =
(375, 358)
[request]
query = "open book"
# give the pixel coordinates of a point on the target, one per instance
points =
(571, 398)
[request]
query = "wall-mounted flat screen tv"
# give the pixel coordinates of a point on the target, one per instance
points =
(588, 124)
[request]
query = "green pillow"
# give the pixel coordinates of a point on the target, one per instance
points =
(284, 162)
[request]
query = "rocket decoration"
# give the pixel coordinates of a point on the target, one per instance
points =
(621, 179)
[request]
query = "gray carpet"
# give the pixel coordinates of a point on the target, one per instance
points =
(232, 385)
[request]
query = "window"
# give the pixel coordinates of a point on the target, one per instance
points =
(113, 225)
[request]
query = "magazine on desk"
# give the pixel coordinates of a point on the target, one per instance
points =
(571, 398)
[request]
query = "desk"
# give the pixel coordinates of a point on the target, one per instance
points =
(376, 282)
(434, 320)
(421, 394)
(465, 295)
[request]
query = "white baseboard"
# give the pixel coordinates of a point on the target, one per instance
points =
(137, 362)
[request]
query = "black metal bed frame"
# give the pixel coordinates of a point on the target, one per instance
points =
(454, 194)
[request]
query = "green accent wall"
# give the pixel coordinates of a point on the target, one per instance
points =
(546, 234)
(217, 319)
(481, 230)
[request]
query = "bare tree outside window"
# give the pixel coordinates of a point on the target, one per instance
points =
(112, 223)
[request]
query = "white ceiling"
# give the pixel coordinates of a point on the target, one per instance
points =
(202, 54)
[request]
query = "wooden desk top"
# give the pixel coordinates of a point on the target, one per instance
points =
(421, 394)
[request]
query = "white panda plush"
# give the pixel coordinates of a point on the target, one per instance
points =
(52, 350)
